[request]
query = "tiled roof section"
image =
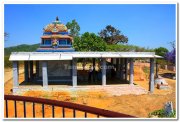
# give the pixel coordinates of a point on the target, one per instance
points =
(56, 36)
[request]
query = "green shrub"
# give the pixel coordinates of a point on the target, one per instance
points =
(161, 113)
(7, 63)
(73, 98)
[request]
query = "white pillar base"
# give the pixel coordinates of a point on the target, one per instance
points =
(103, 71)
(74, 73)
(15, 90)
(44, 74)
(131, 76)
(151, 82)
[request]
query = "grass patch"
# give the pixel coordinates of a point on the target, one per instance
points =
(73, 98)
(46, 96)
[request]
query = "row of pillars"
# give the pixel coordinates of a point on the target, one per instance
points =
(29, 72)
(121, 68)
(74, 72)
(124, 67)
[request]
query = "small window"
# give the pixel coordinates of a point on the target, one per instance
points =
(62, 42)
(47, 42)
(68, 42)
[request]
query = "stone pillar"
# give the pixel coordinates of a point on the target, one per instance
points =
(44, 74)
(131, 76)
(174, 68)
(31, 70)
(112, 60)
(74, 73)
(112, 64)
(15, 76)
(26, 71)
(151, 82)
(71, 64)
(83, 64)
(156, 69)
(37, 68)
(121, 69)
(117, 64)
(126, 68)
(103, 71)
(117, 68)
(94, 64)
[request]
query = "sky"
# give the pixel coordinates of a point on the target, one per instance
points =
(145, 25)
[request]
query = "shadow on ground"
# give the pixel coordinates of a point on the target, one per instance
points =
(168, 75)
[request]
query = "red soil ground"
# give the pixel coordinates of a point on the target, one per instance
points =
(136, 105)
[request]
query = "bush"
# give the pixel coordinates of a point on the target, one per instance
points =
(162, 62)
(161, 113)
(7, 63)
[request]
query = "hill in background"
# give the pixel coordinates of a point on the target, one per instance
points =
(20, 48)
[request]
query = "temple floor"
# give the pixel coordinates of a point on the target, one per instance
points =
(112, 90)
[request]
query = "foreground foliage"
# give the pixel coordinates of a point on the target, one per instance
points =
(161, 113)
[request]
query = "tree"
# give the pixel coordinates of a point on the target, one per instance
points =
(161, 51)
(89, 42)
(6, 35)
(171, 56)
(74, 28)
(173, 44)
(111, 35)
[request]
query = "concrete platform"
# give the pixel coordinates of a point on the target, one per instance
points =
(111, 90)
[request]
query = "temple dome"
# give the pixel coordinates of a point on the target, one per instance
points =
(56, 26)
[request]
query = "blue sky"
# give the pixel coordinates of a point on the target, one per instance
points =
(150, 25)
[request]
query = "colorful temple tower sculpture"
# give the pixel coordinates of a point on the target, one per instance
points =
(56, 38)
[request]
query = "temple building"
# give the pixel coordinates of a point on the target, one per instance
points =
(56, 38)
(55, 62)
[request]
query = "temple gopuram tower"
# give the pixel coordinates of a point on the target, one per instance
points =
(56, 38)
